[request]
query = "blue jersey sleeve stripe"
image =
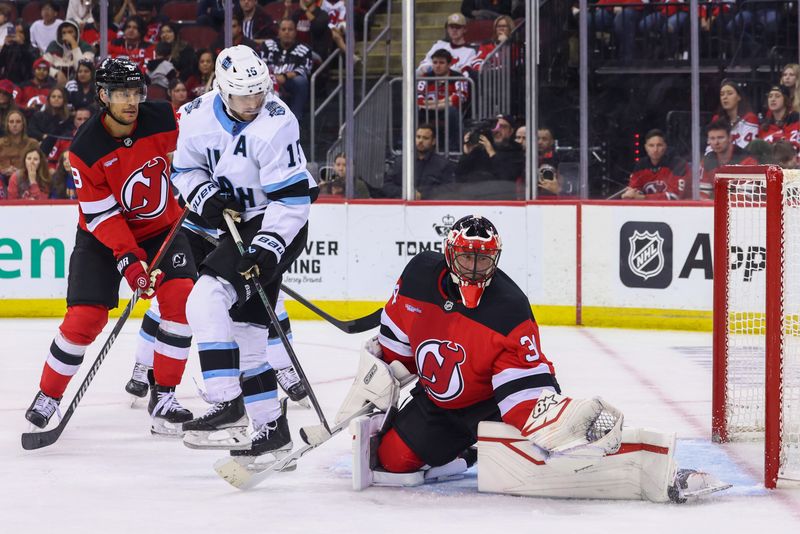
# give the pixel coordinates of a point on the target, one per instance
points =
(294, 201)
(286, 183)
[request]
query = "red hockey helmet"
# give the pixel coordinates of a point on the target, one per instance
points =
(472, 249)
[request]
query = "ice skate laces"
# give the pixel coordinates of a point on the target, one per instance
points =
(287, 377)
(140, 372)
(166, 403)
(264, 430)
(46, 406)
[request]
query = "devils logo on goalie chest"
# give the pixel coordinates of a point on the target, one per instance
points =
(439, 366)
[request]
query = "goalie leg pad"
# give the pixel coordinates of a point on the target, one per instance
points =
(366, 472)
(641, 469)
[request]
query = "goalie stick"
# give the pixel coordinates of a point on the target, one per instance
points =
(274, 318)
(37, 440)
(242, 478)
(351, 326)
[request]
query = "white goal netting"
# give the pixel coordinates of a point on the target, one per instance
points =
(747, 286)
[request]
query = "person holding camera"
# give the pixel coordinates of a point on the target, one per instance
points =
(661, 175)
(548, 179)
(491, 154)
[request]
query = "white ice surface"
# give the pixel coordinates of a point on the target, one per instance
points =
(107, 474)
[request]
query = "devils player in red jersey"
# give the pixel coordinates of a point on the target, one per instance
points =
(467, 330)
(121, 172)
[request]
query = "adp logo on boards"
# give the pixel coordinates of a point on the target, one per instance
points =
(645, 254)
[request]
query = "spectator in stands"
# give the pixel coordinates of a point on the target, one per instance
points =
(485, 9)
(32, 180)
(14, 144)
(67, 51)
(33, 93)
(59, 140)
(734, 108)
(443, 100)
(81, 11)
(432, 172)
(160, 70)
(761, 151)
(621, 21)
(780, 122)
(495, 159)
(723, 152)
(789, 78)
(62, 184)
(181, 53)
(671, 23)
(503, 26)
(765, 16)
(18, 55)
(548, 180)
(311, 21)
(463, 53)
(784, 154)
(337, 24)
(177, 93)
(211, 13)
(45, 30)
(6, 27)
(202, 80)
(661, 175)
(81, 91)
(144, 10)
(257, 25)
(47, 121)
(132, 43)
(335, 180)
(290, 64)
(237, 37)
(7, 104)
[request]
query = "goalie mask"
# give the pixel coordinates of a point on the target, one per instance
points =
(242, 79)
(472, 249)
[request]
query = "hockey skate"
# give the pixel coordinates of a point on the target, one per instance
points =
(140, 382)
(270, 442)
(224, 426)
(291, 385)
(691, 484)
(42, 409)
(167, 413)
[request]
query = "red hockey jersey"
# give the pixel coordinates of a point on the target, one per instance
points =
(123, 186)
(463, 356)
(665, 181)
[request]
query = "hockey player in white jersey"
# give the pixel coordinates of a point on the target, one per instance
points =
(239, 150)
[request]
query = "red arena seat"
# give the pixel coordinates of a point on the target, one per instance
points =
(180, 11)
(199, 36)
(479, 31)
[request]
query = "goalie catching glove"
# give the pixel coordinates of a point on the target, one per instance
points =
(376, 382)
(566, 428)
(133, 267)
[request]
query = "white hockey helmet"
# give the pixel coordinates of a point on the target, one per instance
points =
(239, 71)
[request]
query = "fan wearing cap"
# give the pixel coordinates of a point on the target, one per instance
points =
(67, 51)
(780, 122)
(462, 52)
(33, 93)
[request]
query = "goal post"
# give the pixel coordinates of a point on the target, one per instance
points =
(756, 339)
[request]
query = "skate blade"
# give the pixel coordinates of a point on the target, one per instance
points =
(304, 403)
(165, 429)
(233, 438)
(256, 464)
(135, 401)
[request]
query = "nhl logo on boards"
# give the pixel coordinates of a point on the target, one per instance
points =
(179, 260)
(128, 142)
(645, 255)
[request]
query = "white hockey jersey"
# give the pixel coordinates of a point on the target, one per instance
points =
(261, 162)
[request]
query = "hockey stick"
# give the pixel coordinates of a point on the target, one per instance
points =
(37, 440)
(242, 478)
(274, 318)
(351, 326)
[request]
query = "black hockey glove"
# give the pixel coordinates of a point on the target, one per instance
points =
(260, 259)
(209, 201)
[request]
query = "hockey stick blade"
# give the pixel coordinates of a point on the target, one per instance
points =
(353, 326)
(242, 478)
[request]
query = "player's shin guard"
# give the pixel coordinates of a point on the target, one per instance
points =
(260, 389)
(80, 327)
(174, 337)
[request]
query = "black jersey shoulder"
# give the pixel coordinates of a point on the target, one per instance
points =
(93, 142)
(503, 307)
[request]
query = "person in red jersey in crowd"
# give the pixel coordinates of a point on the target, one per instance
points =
(132, 44)
(659, 176)
(723, 152)
(120, 169)
(780, 122)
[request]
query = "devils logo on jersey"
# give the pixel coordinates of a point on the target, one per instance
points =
(439, 365)
(144, 194)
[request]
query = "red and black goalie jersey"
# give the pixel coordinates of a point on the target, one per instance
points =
(123, 185)
(463, 356)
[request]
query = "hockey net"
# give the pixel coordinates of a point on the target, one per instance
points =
(757, 314)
